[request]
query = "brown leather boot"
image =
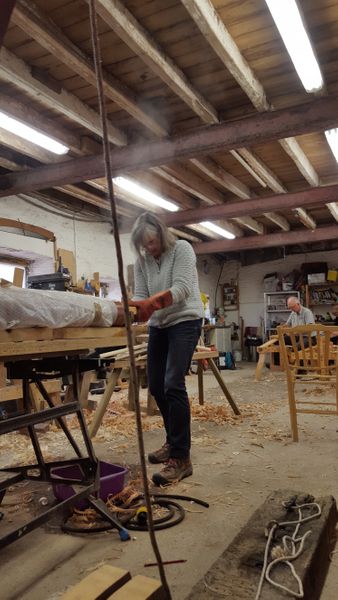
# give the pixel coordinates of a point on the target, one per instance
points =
(160, 456)
(174, 470)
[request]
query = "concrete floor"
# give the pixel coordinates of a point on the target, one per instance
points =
(236, 466)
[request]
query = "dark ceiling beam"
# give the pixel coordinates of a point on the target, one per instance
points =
(6, 9)
(317, 115)
(300, 236)
(255, 206)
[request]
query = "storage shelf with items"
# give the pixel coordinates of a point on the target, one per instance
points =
(276, 310)
(321, 294)
(230, 297)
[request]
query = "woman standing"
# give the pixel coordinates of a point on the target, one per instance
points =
(167, 293)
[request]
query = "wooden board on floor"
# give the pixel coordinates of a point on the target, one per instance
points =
(99, 584)
(237, 572)
(111, 583)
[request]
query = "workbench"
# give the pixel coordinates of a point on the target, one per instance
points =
(35, 355)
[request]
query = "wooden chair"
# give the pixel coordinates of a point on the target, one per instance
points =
(309, 360)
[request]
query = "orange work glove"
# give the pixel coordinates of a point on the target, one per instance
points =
(145, 308)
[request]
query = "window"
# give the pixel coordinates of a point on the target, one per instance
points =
(7, 270)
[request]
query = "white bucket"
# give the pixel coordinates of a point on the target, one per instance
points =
(237, 356)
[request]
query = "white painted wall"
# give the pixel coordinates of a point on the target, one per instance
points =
(92, 243)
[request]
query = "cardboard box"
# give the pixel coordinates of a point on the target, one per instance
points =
(332, 275)
(316, 278)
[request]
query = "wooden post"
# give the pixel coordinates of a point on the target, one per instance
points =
(200, 382)
(223, 386)
(101, 409)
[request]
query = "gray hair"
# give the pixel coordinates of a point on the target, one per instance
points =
(147, 223)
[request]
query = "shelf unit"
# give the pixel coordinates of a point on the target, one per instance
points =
(321, 294)
(230, 297)
(276, 310)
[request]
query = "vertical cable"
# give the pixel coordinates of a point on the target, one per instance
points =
(133, 372)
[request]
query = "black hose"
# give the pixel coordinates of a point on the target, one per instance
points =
(163, 522)
(160, 523)
(179, 497)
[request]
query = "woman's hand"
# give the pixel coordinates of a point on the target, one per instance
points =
(145, 308)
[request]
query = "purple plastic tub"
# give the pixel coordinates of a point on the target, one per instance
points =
(111, 481)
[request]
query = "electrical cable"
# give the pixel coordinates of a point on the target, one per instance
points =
(65, 213)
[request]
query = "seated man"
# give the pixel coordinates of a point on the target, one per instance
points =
(300, 315)
(334, 338)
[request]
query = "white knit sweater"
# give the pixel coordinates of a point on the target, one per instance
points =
(176, 270)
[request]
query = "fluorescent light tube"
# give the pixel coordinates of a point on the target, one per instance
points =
(141, 192)
(32, 135)
(332, 138)
(289, 22)
(217, 229)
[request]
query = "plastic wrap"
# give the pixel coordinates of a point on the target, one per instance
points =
(43, 308)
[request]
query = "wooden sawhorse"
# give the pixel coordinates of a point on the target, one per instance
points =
(117, 367)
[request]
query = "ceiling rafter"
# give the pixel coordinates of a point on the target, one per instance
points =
(17, 72)
(188, 181)
(120, 19)
(305, 118)
(255, 206)
(206, 18)
(299, 236)
(30, 19)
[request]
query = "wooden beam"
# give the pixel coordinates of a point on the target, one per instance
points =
(210, 168)
(217, 35)
(23, 146)
(317, 115)
(33, 118)
(17, 72)
(255, 206)
(6, 12)
(259, 168)
(234, 185)
(293, 149)
(278, 220)
(305, 218)
(34, 23)
(300, 236)
(250, 223)
(333, 208)
(118, 17)
(26, 228)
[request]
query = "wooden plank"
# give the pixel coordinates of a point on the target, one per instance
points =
(25, 334)
(140, 588)
(18, 277)
(101, 409)
(236, 573)
(98, 585)
(34, 348)
(69, 333)
(14, 392)
(317, 115)
(27, 228)
(269, 241)
(223, 387)
(68, 260)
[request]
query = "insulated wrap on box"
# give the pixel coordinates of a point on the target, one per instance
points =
(44, 308)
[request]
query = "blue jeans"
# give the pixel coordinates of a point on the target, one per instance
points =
(169, 356)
